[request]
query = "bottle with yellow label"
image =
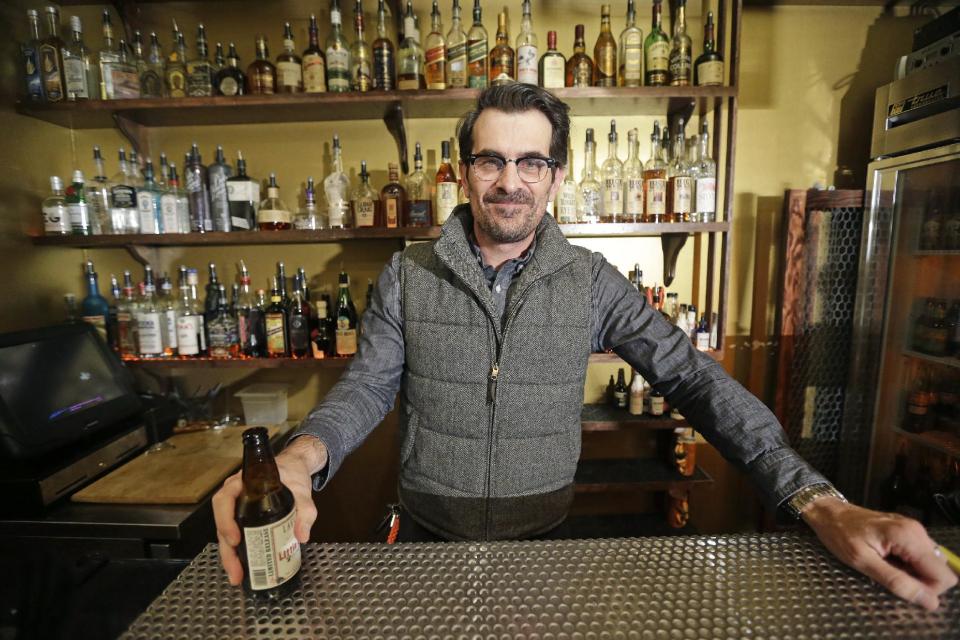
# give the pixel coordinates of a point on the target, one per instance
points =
(346, 320)
(275, 323)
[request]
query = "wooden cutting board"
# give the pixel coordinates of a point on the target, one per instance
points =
(198, 463)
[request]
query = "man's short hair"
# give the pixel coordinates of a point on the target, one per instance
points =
(517, 97)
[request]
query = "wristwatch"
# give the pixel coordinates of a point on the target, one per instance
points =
(799, 501)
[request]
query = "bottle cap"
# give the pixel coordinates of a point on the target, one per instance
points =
(56, 184)
(75, 24)
(78, 176)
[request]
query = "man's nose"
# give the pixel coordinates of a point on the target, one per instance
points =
(509, 179)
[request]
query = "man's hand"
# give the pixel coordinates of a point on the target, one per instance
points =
(305, 456)
(892, 550)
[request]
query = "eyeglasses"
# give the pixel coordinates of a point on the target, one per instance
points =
(530, 168)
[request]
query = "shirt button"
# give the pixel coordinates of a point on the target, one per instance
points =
(498, 288)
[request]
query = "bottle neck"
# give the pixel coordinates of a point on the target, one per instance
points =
(680, 28)
(657, 16)
(314, 37)
(709, 44)
(34, 28)
(93, 287)
(260, 474)
(590, 158)
(612, 150)
(53, 25)
(605, 24)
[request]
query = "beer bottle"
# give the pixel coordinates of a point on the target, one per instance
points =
(269, 550)
(620, 391)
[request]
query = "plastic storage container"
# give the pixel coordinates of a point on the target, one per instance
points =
(264, 403)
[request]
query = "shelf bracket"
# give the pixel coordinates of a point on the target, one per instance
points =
(135, 133)
(144, 255)
(671, 243)
(393, 118)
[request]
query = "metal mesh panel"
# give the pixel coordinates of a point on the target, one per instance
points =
(760, 586)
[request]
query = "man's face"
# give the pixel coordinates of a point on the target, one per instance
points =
(507, 209)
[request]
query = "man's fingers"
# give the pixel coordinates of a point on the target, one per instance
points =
(230, 561)
(899, 582)
(224, 505)
(306, 515)
(913, 546)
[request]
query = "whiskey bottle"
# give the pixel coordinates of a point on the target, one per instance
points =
(314, 63)
(198, 191)
(345, 317)
(175, 74)
(366, 201)
(152, 83)
(419, 212)
(411, 54)
(680, 184)
(322, 342)
(552, 65)
(612, 172)
(243, 198)
(282, 283)
(681, 50)
(299, 325)
(80, 74)
(620, 391)
(655, 181)
(222, 328)
(565, 207)
(384, 62)
(258, 329)
(705, 201)
(30, 59)
(477, 50)
(174, 205)
(148, 202)
(56, 217)
(589, 192)
(631, 51)
(199, 70)
(527, 52)
(361, 71)
(579, 66)
(456, 51)
(336, 190)
(633, 180)
(502, 58)
(393, 197)
(230, 80)
(275, 325)
(147, 317)
(218, 61)
(94, 308)
(447, 185)
(656, 51)
(708, 69)
(78, 210)
(435, 66)
(605, 53)
(217, 175)
(98, 193)
(289, 68)
(261, 74)
(309, 217)
(273, 214)
(338, 53)
(51, 58)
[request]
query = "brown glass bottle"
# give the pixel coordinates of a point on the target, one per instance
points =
(261, 74)
(502, 57)
(605, 53)
(314, 62)
(579, 66)
(393, 197)
(266, 513)
(275, 321)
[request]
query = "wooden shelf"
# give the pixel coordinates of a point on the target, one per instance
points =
(641, 229)
(946, 361)
(936, 252)
(632, 474)
(601, 417)
(167, 364)
(941, 441)
(450, 103)
(612, 358)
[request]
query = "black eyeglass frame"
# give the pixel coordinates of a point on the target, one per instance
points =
(551, 164)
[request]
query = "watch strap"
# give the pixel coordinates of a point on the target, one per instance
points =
(799, 501)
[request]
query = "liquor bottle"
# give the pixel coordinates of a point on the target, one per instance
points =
(345, 317)
(275, 324)
(527, 51)
(589, 192)
(169, 310)
(114, 301)
(148, 202)
(656, 51)
(115, 80)
(612, 172)
(366, 201)
(175, 74)
(314, 62)
(80, 74)
(666, 145)
(338, 53)
(631, 51)
(502, 58)
(419, 211)
(198, 191)
(393, 197)
(152, 75)
(655, 181)
(222, 328)
(692, 322)
(123, 199)
(656, 403)
(282, 283)
(309, 217)
(98, 197)
(261, 74)
(579, 66)
(94, 309)
(56, 217)
(246, 303)
(243, 198)
(299, 325)
(266, 514)
(552, 65)
(633, 180)
(322, 339)
(51, 58)
(78, 210)
(126, 320)
(435, 65)
(620, 391)
(199, 70)
(703, 334)
(708, 69)
(258, 331)
(680, 184)
(635, 403)
(336, 189)
(273, 214)
(210, 300)
(447, 185)
(149, 324)
(173, 205)
(191, 330)
(565, 207)
(218, 61)
(361, 59)
(411, 56)
(138, 59)
(384, 61)
(161, 175)
(217, 175)
(920, 400)
(289, 65)
(681, 50)
(133, 168)
(477, 50)
(456, 51)
(706, 180)
(605, 53)
(230, 80)
(30, 59)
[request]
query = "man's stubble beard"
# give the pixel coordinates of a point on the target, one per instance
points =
(508, 231)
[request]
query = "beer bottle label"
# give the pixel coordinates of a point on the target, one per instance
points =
(273, 553)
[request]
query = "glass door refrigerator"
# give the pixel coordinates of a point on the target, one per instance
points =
(902, 431)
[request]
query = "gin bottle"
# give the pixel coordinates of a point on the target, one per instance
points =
(55, 216)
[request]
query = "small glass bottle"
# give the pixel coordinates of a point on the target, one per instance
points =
(152, 84)
(217, 175)
(222, 329)
(656, 51)
(175, 72)
(275, 323)
(314, 62)
(447, 186)
(298, 325)
(150, 325)
(273, 214)
(98, 194)
(148, 202)
(78, 209)
(366, 201)
(502, 56)
(56, 217)
(419, 212)
(199, 70)
(612, 172)
(565, 207)
(243, 198)
(230, 80)
(705, 200)
(655, 181)
(30, 60)
(261, 74)
(80, 74)
(346, 320)
(393, 197)
(338, 53)
(681, 48)
(51, 58)
(527, 52)
(708, 69)
(309, 216)
(680, 184)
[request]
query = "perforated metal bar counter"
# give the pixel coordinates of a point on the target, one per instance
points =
(736, 586)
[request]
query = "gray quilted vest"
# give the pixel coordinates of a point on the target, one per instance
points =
(490, 412)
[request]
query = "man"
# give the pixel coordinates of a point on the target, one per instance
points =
(486, 334)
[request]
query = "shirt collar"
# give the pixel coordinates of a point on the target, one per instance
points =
(521, 262)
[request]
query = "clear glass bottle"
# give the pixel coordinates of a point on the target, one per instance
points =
(289, 64)
(384, 54)
(138, 58)
(56, 218)
(565, 207)
(435, 60)
(336, 190)
(199, 69)
(579, 66)
(80, 73)
(633, 180)
(655, 181)
(175, 73)
(243, 198)
(552, 65)
(123, 199)
(411, 56)
(656, 51)
(152, 76)
(174, 208)
(705, 200)
(605, 53)
(169, 309)
(309, 216)
(98, 193)
(477, 50)
(261, 74)
(106, 59)
(502, 57)
(78, 209)
(366, 201)
(708, 69)
(631, 51)
(188, 321)
(222, 329)
(51, 58)
(590, 191)
(680, 185)
(314, 62)
(230, 80)
(528, 57)
(126, 320)
(30, 59)
(338, 53)
(681, 50)
(150, 325)
(361, 58)
(273, 214)
(419, 211)
(148, 202)
(456, 51)
(196, 177)
(612, 172)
